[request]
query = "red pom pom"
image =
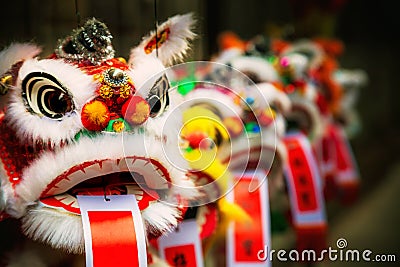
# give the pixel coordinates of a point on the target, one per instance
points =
(136, 110)
(195, 139)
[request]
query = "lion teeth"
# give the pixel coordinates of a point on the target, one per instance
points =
(153, 175)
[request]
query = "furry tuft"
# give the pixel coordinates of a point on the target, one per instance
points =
(17, 52)
(66, 234)
(175, 47)
(160, 218)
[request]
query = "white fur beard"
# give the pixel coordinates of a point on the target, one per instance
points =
(58, 229)
(64, 231)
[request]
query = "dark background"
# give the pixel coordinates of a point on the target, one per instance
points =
(369, 30)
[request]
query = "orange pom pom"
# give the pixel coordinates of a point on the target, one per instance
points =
(95, 115)
(136, 110)
(229, 39)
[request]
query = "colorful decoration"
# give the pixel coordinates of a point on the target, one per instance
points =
(157, 41)
(307, 72)
(90, 140)
(71, 129)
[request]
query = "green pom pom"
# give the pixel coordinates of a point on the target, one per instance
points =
(185, 87)
(189, 149)
(250, 126)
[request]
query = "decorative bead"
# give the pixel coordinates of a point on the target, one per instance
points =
(106, 91)
(252, 127)
(250, 100)
(125, 91)
(284, 62)
(117, 125)
(115, 77)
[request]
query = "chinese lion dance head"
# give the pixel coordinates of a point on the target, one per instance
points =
(83, 122)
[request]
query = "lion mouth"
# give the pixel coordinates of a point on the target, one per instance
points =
(143, 177)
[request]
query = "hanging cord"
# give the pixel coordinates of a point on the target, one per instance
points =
(78, 15)
(104, 189)
(156, 25)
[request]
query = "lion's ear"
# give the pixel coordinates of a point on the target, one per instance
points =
(171, 43)
(17, 52)
(11, 59)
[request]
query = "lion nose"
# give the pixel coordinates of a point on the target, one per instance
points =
(99, 115)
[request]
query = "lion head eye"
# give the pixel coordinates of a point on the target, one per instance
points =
(158, 98)
(46, 96)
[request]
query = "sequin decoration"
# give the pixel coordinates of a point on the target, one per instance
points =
(106, 91)
(114, 81)
(5, 83)
(14, 155)
(91, 43)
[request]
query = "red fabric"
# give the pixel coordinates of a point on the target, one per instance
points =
(348, 190)
(311, 237)
(113, 238)
(330, 187)
(248, 236)
(302, 173)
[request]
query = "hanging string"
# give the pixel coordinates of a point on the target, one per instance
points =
(78, 15)
(156, 25)
(104, 188)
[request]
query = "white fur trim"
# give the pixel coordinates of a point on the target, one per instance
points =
(160, 218)
(59, 230)
(220, 101)
(41, 172)
(144, 74)
(312, 113)
(306, 46)
(264, 70)
(175, 47)
(273, 96)
(347, 78)
(64, 231)
(17, 52)
(299, 63)
(227, 55)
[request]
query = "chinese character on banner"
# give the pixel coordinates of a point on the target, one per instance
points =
(182, 248)
(305, 193)
(246, 239)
